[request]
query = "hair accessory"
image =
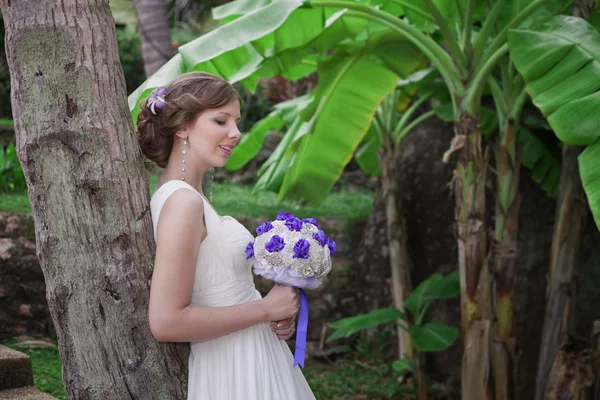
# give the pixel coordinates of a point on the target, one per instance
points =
(156, 99)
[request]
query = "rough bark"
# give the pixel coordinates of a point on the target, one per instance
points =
(396, 235)
(90, 199)
(155, 36)
(571, 214)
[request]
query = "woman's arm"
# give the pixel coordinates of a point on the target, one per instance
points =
(172, 319)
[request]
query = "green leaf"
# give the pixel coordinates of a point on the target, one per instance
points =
(446, 288)
(252, 142)
(403, 365)
(433, 336)
(560, 62)
(589, 167)
(418, 298)
(559, 59)
(348, 86)
(536, 156)
(367, 153)
(346, 327)
(225, 51)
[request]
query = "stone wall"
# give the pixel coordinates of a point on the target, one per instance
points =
(24, 311)
(23, 307)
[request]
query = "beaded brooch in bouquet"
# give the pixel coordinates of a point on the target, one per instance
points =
(293, 252)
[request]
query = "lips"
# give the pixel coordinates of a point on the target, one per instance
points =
(226, 149)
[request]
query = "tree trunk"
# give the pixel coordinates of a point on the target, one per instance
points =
(396, 234)
(469, 189)
(89, 195)
(155, 36)
(566, 244)
(504, 254)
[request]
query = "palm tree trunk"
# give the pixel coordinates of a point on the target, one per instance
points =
(504, 253)
(469, 188)
(155, 36)
(571, 212)
(88, 191)
(396, 234)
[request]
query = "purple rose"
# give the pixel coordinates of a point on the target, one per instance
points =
(301, 249)
(264, 228)
(320, 237)
(293, 224)
(275, 244)
(311, 221)
(250, 250)
(282, 216)
(332, 246)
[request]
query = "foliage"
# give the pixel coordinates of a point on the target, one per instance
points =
(432, 336)
(558, 59)
(130, 53)
(12, 178)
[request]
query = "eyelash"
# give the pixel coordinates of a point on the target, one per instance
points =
(220, 122)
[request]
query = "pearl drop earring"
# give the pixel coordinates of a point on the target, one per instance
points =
(212, 178)
(184, 152)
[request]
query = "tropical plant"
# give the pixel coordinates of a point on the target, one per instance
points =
(285, 37)
(11, 174)
(431, 336)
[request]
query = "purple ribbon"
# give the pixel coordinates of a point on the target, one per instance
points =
(302, 329)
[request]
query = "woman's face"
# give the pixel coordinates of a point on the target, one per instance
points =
(214, 134)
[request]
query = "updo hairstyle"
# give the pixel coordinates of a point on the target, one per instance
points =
(187, 96)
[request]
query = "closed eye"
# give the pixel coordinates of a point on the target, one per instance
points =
(220, 122)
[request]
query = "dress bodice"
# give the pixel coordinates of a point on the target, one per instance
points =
(222, 257)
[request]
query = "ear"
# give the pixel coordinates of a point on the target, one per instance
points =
(182, 134)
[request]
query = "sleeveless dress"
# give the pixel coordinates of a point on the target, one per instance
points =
(250, 364)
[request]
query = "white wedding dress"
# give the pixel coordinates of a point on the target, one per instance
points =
(251, 364)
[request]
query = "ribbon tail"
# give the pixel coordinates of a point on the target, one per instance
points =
(302, 330)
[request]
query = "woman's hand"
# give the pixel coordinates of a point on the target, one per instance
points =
(284, 329)
(281, 303)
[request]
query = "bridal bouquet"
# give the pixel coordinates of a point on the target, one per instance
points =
(294, 252)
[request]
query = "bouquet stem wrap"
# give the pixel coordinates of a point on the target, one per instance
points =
(302, 330)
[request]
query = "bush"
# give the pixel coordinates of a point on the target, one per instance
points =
(11, 174)
(130, 53)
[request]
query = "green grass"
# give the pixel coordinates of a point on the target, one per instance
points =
(6, 122)
(238, 200)
(47, 369)
(363, 374)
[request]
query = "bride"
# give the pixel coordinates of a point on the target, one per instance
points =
(202, 290)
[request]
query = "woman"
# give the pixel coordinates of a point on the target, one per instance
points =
(202, 290)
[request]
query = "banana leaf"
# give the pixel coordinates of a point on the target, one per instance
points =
(559, 59)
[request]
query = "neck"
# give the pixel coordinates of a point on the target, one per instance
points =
(193, 172)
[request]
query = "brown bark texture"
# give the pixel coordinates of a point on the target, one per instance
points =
(571, 213)
(155, 34)
(90, 199)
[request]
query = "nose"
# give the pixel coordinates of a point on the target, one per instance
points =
(234, 133)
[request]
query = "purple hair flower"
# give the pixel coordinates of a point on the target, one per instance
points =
(282, 216)
(320, 237)
(275, 244)
(264, 228)
(311, 221)
(293, 224)
(156, 99)
(250, 250)
(332, 246)
(301, 249)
